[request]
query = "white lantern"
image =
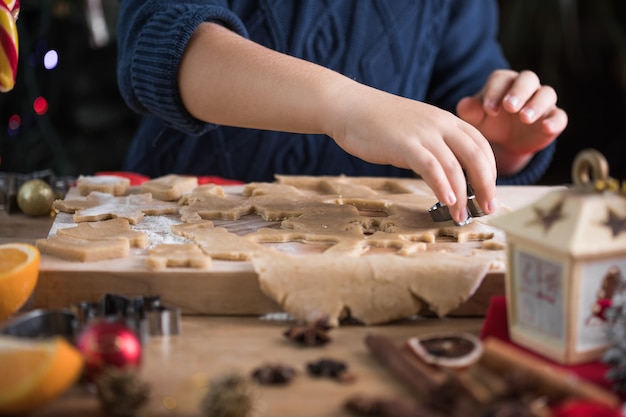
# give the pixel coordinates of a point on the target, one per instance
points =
(566, 259)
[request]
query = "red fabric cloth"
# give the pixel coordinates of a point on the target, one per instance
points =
(583, 409)
(496, 325)
(138, 179)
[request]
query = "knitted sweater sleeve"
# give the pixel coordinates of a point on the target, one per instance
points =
(152, 36)
(470, 52)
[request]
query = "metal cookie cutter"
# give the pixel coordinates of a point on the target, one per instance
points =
(147, 316)
(41, 323)
(440, 212)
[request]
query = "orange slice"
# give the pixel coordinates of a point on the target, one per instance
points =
(35, 372)
(19, 270)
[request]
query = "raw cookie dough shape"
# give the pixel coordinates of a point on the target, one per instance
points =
(344, 244)
(102, 206)
(315, 242)
(214, 207)
(82, 250)
(110, 184)
(218, 242)
(349, 186)
(107, 229)
(200, 191)
(476, 230)
(371, 289)
(174, 255)
(169, 187)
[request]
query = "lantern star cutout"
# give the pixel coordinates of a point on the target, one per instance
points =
(548, 217)
(616, 223)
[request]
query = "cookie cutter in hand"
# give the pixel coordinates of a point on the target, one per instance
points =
(439, 212)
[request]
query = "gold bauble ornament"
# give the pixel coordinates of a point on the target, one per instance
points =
(35, 197)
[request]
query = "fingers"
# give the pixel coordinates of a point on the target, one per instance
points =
(471, 110)
(554, 122)
(480, 167)
(520, 93)
(495, 90)
(442, 165)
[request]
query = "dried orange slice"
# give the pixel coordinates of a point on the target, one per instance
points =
(35, 372)
(19, 270)
(449, 350)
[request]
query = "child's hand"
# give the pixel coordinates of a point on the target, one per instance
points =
(516, 114)
(383, 128)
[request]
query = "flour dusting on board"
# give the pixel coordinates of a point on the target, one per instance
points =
(158, 229)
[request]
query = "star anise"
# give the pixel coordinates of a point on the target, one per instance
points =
(330, 368)
(314, 333)
(274, 374)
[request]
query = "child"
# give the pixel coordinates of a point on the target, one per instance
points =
(247, 89)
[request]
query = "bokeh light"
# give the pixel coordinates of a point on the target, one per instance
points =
(40, 105)
(15, 121)
(50, 59)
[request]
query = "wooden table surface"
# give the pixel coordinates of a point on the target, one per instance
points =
(179, 368)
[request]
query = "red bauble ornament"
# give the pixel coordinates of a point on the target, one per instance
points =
(108, 343)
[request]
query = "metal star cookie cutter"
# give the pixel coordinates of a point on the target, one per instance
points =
(146, 316)
(439, 212)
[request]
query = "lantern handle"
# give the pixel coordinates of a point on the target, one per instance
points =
(589, 167)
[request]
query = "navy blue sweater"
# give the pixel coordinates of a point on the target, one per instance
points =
(435, 51)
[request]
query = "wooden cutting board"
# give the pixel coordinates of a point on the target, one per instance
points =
(228, 287)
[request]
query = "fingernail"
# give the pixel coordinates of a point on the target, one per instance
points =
(512, 100)
(451, 200)
(492, 206)
(463, 215)
(491, 104)
(529, 114)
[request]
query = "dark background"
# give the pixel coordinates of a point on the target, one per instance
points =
(578, 47)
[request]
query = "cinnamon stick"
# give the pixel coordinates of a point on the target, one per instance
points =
(365, 405)
(550, 380)
(420, 378)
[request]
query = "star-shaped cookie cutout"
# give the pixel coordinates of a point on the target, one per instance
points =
(169, 187)
(107, 229)
(99, 206)
(218, 242)
(177, 255)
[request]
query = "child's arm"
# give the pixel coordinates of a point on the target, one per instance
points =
(226, 79)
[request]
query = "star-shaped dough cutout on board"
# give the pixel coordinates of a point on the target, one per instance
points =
(169, 187)
(99, 206)
(177, 255)
(214, 207)
(107, 229)
(218, 242)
